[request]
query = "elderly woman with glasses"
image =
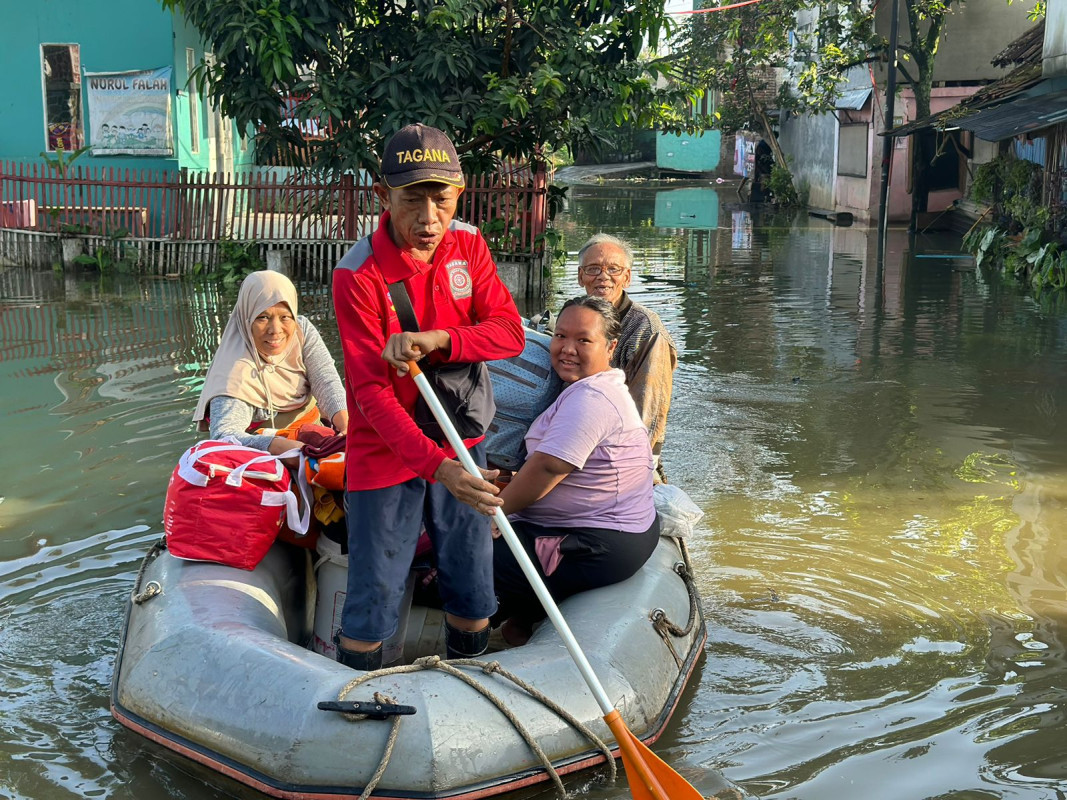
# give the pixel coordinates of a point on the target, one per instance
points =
(646, 352)
(582, 502)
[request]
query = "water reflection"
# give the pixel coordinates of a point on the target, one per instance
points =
(687, 208)
(863, 439)
(100, 377)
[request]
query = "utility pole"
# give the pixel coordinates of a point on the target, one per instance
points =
(887, 141)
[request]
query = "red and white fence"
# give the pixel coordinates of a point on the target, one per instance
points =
(508, 206)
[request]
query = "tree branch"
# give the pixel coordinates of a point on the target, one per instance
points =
(909, 48)
(933, 34)
(907, 75)
(865, 60)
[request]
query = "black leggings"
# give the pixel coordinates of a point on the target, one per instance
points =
(592, 557)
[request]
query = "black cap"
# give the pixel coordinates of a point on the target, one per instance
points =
(420, 154)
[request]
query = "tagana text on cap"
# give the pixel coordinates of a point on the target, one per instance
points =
(420, 154)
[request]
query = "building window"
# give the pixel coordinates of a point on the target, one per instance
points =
(194, 101)
(852, 155)
(62, 76)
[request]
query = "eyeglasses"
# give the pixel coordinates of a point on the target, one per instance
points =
(592, 270)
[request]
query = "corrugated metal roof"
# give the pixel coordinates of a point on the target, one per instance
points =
(1025, 115)
(993, 94)
(853, 99)
(1025, 51)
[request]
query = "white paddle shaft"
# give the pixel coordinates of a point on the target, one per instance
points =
(517, 549)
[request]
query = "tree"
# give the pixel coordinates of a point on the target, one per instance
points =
(503, 78)
(739, 53)
(915, 62)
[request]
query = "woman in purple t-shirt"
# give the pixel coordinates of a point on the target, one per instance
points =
(582, 503)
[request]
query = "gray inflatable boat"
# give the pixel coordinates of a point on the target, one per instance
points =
(213, 663)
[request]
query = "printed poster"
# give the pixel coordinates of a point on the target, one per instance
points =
(129, 112)
(745, 153)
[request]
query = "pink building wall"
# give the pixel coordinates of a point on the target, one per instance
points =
(861, 196)
(899, 197)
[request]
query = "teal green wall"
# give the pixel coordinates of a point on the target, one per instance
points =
(113, 35)
(691, 152)
(685, 152)
(185, 37)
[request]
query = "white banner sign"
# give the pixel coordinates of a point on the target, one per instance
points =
(129, 112)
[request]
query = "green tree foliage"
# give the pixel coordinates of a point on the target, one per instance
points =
(508, 78)
(1037, 12)
(1023, 240)
(738, 53)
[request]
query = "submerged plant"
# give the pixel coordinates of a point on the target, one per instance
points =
(237, 259)
(780, 185)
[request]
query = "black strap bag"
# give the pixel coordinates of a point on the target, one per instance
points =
(463, 389)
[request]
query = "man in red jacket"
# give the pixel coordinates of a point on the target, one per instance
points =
(397, 477)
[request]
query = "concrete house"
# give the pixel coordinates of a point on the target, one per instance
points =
(837, 157)
(111, 75)
(1023, 114)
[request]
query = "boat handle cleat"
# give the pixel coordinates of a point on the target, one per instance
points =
(370, 708)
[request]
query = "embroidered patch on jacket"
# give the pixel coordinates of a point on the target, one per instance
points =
(459, 279)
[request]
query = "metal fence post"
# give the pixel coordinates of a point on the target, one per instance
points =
(539, 211)
(348, 206)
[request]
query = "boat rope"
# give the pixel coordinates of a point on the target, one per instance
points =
(394, 732)
(662, 623)
(153, 588)
(489, 668)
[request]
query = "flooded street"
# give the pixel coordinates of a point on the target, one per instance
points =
(878, 451)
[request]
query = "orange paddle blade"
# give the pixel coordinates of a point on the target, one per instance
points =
(650, 778)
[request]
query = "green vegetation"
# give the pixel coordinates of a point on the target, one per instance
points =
(551, 244)
(1022, 241)
(115, 255)
(780, 185)
(514, 79)
(60, 161)
(737, 55)
(236, 260)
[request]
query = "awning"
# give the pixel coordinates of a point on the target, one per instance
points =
(1009, 87)
(932, 121)
(853, 99)
(1025, 115)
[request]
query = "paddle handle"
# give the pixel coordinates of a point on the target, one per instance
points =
(502, 523)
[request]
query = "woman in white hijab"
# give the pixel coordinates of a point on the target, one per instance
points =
(270, 370)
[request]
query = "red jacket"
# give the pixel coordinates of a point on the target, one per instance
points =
(459, 292)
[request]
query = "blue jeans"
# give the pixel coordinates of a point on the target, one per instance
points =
(383, 529)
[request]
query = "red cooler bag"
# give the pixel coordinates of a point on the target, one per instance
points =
(226, 503)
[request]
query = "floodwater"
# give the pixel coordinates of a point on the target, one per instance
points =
(879, 453)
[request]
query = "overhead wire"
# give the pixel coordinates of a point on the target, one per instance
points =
(716, 8)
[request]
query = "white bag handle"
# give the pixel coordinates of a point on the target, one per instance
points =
(236, 476)
(298, 521)
(190, 457)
